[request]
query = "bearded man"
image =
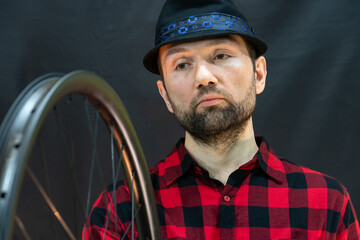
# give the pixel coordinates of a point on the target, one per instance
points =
(220, 181)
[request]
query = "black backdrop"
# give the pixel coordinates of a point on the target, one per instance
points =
(309, 111)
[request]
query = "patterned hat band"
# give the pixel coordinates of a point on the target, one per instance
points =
(191, 20)
(201, 23)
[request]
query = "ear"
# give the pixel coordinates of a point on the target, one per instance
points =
(164, 95)
(260, 74)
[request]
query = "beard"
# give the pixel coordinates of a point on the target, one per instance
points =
(217, 125)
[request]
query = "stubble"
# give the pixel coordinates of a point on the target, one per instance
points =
(217, 125)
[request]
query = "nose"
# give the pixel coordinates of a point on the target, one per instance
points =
(204, 76)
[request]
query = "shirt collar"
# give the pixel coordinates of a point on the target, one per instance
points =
(179, 161)
(269, 162)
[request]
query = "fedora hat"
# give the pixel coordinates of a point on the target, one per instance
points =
(186, 20)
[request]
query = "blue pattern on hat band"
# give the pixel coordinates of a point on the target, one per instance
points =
(199, 23)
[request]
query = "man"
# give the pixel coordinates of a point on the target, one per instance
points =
(220, 181)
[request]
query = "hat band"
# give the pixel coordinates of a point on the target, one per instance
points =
(199, 23)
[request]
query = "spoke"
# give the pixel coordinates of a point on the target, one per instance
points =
(94, 142)
(119, 164)
(113, 196)
(102, 182)
(72, 129)
(112, 151)
(113, 170)
(72, 150)
(50, 204)
(44, 165)
(22, 228)
(136, 213)
(46, 173)
(70, 162)
(132, 205)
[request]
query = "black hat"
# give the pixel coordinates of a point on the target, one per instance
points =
(182, 20)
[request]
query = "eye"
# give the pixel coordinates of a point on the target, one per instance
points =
(221, 56)
(182, 66)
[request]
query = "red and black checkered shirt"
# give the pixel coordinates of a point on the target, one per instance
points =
(267, 198)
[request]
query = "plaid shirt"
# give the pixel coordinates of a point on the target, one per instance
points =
(267, 198)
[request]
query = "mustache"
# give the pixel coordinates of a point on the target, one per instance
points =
(206, 90)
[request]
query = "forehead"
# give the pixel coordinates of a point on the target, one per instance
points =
(177, 47)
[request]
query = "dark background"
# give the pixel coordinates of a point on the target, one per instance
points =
(309, 111)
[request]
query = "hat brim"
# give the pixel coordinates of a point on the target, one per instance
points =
(151, 58)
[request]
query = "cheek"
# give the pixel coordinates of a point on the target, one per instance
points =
(179, 90)
(237, 68)
(239, 83)
(179, 96)
(235, 63)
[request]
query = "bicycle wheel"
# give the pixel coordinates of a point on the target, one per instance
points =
(21, 128)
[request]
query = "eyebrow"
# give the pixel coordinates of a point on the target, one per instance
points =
(174, 48)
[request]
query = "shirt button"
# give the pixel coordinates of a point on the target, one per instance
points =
(226, 198)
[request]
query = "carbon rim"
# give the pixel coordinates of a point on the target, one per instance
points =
(21, 127)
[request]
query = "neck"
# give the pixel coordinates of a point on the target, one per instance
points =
(221, 160)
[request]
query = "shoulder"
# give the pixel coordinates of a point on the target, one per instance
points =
(300, 176)
(320, 190)
(323, 194)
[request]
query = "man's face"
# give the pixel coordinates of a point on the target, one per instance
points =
(211, 86)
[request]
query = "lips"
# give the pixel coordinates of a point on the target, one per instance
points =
(210, 100)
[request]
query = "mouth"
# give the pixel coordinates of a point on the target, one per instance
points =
(210, 100)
